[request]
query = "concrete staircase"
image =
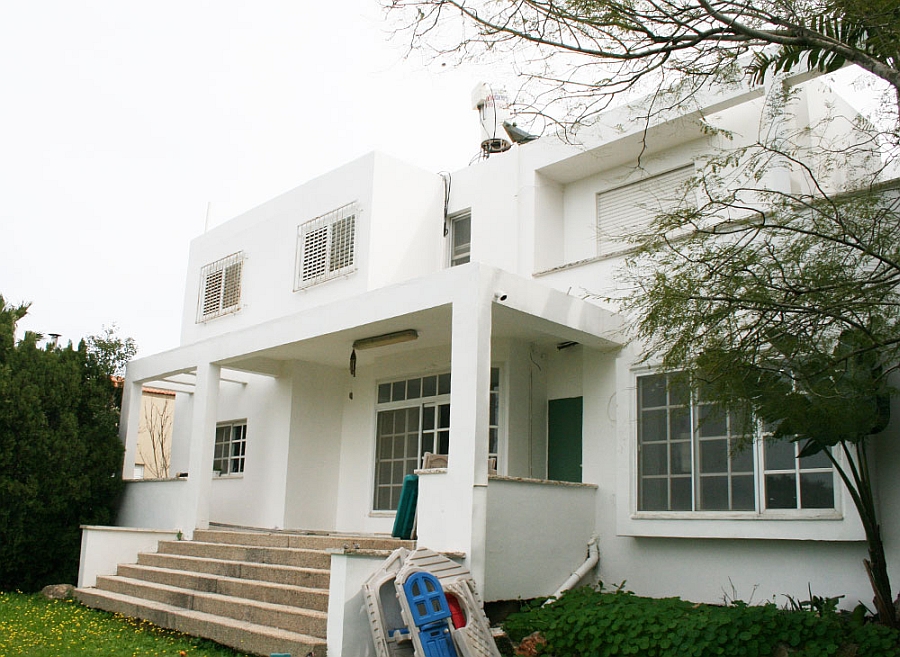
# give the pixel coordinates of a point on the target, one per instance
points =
(259, 592)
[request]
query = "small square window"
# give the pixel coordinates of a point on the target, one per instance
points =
(460, 238)
(230, 448)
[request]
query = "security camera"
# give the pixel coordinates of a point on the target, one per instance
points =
(500, 296)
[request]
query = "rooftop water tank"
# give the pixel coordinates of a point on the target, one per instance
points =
(492, 104)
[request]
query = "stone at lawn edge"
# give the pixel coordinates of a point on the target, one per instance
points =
(58, 591)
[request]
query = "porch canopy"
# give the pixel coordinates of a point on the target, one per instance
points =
(462, 307)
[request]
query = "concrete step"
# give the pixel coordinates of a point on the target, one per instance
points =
(297, 557)
(285, 617)
(317, 578)
(240, 634)
(275, 593)
(311, 541)
(258, 591)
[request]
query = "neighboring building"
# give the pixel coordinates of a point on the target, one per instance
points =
(155, 425)
(335, 334)
(154, 445)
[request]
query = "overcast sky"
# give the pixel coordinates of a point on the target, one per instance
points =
(121, 121)
(123, 124)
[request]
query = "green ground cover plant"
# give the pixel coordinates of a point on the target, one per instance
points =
(34, 626)
(594, 623)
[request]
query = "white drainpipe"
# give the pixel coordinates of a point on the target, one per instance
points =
(593, 559)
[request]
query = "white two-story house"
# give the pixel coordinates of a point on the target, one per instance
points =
(335, 334)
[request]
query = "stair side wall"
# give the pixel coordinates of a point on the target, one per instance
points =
(104, 548)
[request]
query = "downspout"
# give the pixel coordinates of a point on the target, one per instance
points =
(593, 559)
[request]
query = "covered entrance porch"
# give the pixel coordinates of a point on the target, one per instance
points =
(314, 450)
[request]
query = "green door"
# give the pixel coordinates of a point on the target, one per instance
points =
(564, 439)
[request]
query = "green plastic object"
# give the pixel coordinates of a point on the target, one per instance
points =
(406, 510)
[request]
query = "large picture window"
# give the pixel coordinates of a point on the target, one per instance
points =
(326, 247)
(220, 287)
(692, 456)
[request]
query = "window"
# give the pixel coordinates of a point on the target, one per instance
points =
(220, 287)
(413, 418)
(460, 238)
(794, 483)
(231, 447)
(693, 457)
(326, 247)
(494, 418)
(624, 211)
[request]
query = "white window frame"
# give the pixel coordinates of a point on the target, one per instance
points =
(394, 403)
(220, 287)
(496, 424)
(623, 211)
(326, 247)
(459, 254)
(758, 448)
(231, 463)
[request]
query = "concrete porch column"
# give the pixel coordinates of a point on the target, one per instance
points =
(130, 426)
(456, 516)
(202, 442)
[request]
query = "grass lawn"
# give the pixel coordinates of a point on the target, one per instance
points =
(34, 626)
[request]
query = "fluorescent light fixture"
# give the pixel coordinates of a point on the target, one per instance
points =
(385, 339)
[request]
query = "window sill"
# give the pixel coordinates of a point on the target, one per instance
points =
(828, 525)
(228, 476)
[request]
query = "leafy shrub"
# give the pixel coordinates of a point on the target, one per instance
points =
(589, 623)
(60, 457)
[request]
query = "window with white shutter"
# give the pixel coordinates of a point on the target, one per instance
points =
(624, 211)
(326, 247)
(220, 287)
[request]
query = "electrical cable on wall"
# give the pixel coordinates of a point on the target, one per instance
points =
(447, 183)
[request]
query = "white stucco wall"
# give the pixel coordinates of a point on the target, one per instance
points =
(267, 235)
(356, 482)
(311, 431)
(104, 548)
(537, 535)
(255, 497)
(491, 189)
(153, 504)
(314, 458)
(398, 237)
(349, 629)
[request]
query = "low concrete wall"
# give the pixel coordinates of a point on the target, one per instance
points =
(349, 631)
(104, 548)
(537, 535)
(154, 504)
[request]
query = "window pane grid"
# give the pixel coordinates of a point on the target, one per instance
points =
(230, 448)
(665, 451)
(795, 483)
(694, 456)
(397, 445)
(326, 247)
(426, 398)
